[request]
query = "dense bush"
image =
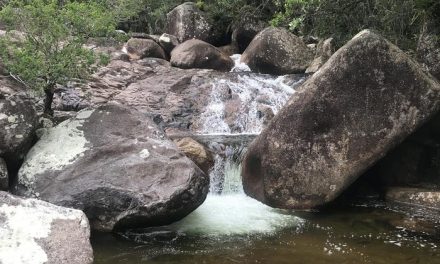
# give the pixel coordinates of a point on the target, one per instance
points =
(50, 48)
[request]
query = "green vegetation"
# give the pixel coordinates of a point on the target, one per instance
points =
(50, 48)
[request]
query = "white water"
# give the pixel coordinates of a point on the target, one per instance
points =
(227, 210)
(253, 91)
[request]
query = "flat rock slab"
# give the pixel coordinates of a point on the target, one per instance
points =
(36, 232)
(414, 196)
(115, 165)
(363, 102)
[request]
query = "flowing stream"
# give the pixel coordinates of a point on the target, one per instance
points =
(230, 227)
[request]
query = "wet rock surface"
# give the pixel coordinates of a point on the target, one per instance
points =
(33, 231)
(414, 196)
(277, 51)
(114, 164)
(364, 101)
(199, 54)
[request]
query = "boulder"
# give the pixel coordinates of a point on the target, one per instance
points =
(115, 165)
(229, 50)
(428, 48)
(197, 153)
(245, 31)
(277, 51)
(144, 48)
(363, 102)
(168, 42)
(4, 176)
(18, 120)
(33, 231)
(198, 54)
(186, 22)
(324, 51)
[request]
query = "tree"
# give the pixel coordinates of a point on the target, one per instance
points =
(51, 49)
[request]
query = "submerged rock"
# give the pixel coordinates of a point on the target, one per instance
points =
(144, 48)
(115, 165)
(186, 22)
(33, 231)
(198, 54)
(277, 51)
(364, 101)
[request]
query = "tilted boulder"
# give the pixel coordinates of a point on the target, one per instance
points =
(186, 22)
(277, 51)
(115, 165)
(139, 48)
(198, 54)
(33, 231)
(363, 102)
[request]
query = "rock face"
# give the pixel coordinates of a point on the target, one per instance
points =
(198, 54)
(277, 51)
(245, 32)
(364, 101)
(186, 22)
(142, 48)
(428, 49)
(115, 165)
(197, 153)
(415, 196)
(18, 121)
(4, 176)
(33, 231)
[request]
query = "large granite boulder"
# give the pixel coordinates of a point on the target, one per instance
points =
(363, 102)
(277, 51)
(33, 231)
(199, 54)
(115, 165)
(18, 122)
(139, 48)
(187, 21)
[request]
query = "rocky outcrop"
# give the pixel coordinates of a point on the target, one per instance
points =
(277, 51)
(18, 121)
(324, 51)
(4, 176)
(428, 49)
(197, 153)
(33, 231)
(115, 165)
(186, 22)
(144, 48)
(245, 31)
(168, 42)
(198, 54)
(414, 197)
(364, 101)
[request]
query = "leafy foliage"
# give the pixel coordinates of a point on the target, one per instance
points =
(50, 50)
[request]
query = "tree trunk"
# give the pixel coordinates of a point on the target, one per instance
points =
(48, 101)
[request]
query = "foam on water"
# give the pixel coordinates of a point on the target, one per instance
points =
(234, 214)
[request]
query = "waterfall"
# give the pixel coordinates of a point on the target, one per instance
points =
(227, 210)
